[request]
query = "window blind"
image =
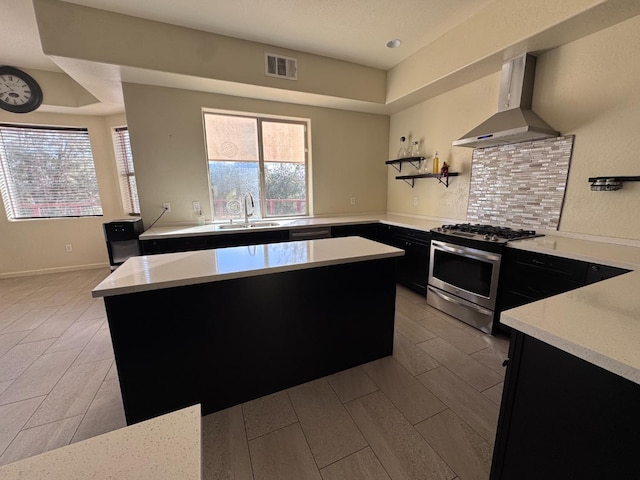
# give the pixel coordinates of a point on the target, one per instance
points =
(126, 174)
(47, 172)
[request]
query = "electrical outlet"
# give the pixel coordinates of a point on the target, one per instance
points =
(353, 200)
(415, 201)
(68, 248)
(167, 206)
(196, 206)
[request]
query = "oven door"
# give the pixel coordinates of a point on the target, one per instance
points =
(467, 273)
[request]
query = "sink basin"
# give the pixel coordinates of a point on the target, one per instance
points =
(239, 226)
(231, 226)
(264, 224)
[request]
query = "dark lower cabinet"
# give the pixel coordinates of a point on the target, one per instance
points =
(562, 417)
(186, 244)
(526, 277)
(413, 266)
(371, 231)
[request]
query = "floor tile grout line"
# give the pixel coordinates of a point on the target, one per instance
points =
(315, 462)
(456, 475)
(454, 411)
(49, 392)
(26, 421)
(30, 364)
(356, 423)
(246, 439)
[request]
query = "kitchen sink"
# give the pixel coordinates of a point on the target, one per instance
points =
(264, 224)
(231, 226)
(240, 226)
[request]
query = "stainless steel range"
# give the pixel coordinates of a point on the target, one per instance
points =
(465, 268)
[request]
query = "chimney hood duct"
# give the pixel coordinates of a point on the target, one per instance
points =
(515, 121)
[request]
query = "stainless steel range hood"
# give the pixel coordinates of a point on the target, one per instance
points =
(515, 121)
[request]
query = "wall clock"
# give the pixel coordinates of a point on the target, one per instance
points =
(19, 92)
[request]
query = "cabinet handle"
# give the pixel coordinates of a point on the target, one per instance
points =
(537, 262)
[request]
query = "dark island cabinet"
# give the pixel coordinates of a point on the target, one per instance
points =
(562, 417)
(528, 276)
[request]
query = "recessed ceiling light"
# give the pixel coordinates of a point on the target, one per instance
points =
(395, 43)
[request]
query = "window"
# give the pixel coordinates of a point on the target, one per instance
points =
(265, 157)
(47, 172)
(126, 175)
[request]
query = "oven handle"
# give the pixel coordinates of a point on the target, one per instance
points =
(467, 252)
(457, 302)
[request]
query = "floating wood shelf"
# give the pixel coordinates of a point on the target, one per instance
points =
(416, 162)
(397, 164)
(443, 179)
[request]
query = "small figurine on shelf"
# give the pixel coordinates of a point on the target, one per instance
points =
(444, 171)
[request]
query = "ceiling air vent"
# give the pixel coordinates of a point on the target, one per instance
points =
(280, 67)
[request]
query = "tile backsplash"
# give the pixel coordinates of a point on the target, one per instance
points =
(520, 185)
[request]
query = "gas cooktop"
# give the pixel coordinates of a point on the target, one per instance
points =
(483, 232)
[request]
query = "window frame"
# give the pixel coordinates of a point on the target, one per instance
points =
(126, 177)
(259, 118)
(8, 188)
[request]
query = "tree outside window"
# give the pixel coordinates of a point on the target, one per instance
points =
(47, 172)
(264, 157)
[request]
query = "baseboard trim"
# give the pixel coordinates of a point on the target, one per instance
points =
(44, 271)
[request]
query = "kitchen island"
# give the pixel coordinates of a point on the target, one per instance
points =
(220, 327)
(572, 389)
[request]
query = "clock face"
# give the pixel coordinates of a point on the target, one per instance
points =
(19, 92)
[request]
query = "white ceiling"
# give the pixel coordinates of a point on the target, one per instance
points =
(351, 30)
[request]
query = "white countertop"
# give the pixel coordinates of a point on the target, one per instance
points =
(599, 323)
(152, 272)
(564, 245)
(621, 256)
(167, 446)
(157, 233)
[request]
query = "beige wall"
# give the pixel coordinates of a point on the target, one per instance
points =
(115, 39)
(587, 88)
(167, 141)
(38, 246)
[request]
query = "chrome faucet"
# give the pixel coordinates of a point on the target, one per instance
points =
(246, 207)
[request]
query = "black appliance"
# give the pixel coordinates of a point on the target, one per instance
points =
(122, 239)
(464, 270)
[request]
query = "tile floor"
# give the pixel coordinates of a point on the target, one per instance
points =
(427, 412)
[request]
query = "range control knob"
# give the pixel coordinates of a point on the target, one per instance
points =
(487, 236)
(494, 238)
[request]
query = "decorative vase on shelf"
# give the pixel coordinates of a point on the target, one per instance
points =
(415, 149)
(402, 152)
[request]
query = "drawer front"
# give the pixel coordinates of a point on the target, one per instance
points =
(536, 284)
(596, 273)
(550, 265)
